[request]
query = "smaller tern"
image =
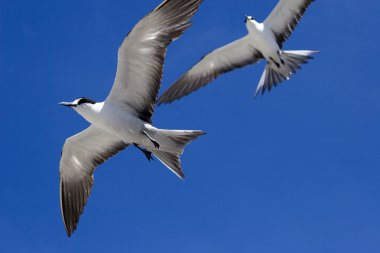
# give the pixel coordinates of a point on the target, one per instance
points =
(124, 118)
(264, 41)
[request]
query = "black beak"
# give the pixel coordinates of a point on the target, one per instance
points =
(246, 18)
(67, 104)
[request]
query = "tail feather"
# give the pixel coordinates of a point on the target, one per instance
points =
(172, 145)
(174, 141)
(273, 75)
(172, 161)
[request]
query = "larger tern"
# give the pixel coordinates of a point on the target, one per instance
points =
(264, 41)
(124, 118)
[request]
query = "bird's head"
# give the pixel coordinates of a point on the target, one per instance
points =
(79, 103)
(248, 18)
(86, 107)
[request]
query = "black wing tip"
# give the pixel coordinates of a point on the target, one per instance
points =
(69, 232)
(70, 227)
(71, 213)
(201, 133)
(181, 175)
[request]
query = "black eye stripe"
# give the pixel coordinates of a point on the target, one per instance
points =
(86, 100)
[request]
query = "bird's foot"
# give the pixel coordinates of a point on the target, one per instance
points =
(155, 143)
(274, 62)
(147, 153)
(280, 56)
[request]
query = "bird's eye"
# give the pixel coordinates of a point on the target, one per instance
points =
(81, 101)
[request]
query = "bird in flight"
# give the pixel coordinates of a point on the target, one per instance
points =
(263, 41)
(124, 118)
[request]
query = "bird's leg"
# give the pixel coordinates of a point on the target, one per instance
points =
(155, 143)
(279, 55)
(147, 153)
(275, 63)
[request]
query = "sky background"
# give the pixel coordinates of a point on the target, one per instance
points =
(296, 170)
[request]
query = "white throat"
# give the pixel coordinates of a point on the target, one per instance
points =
(255, 27)
(89, 112)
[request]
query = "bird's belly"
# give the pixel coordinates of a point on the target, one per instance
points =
(265, 44)
(123, 125)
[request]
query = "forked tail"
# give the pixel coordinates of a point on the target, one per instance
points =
(274, 75)
(172, 145)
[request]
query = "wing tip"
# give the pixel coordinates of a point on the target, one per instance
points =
(66, 224)
(71, 212)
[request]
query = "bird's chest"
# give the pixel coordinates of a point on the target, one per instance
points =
(264, 41)
(119, 122)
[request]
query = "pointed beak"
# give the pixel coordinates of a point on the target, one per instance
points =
(67, 104)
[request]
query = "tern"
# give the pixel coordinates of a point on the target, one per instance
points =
(124, 118)
(264, 41)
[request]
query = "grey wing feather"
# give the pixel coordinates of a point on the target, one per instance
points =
(285, 17)
(141, 56)
(235, 55)
(81, 154)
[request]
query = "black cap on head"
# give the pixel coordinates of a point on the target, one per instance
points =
(83, 100)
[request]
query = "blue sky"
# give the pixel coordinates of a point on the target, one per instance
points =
(296, 170)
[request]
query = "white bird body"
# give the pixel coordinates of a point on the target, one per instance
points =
(263, 41)
(125, 117)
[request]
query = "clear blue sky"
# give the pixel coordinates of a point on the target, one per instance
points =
(296, 171)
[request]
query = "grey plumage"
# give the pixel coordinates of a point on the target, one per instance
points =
(283, 30)
(235, 55)
(80, 156)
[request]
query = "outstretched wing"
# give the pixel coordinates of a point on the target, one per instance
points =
(80, 156)
(225, 59)
(141, 56)
(285, 17)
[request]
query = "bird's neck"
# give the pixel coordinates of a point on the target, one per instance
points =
(255, 27)
(90, 112)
